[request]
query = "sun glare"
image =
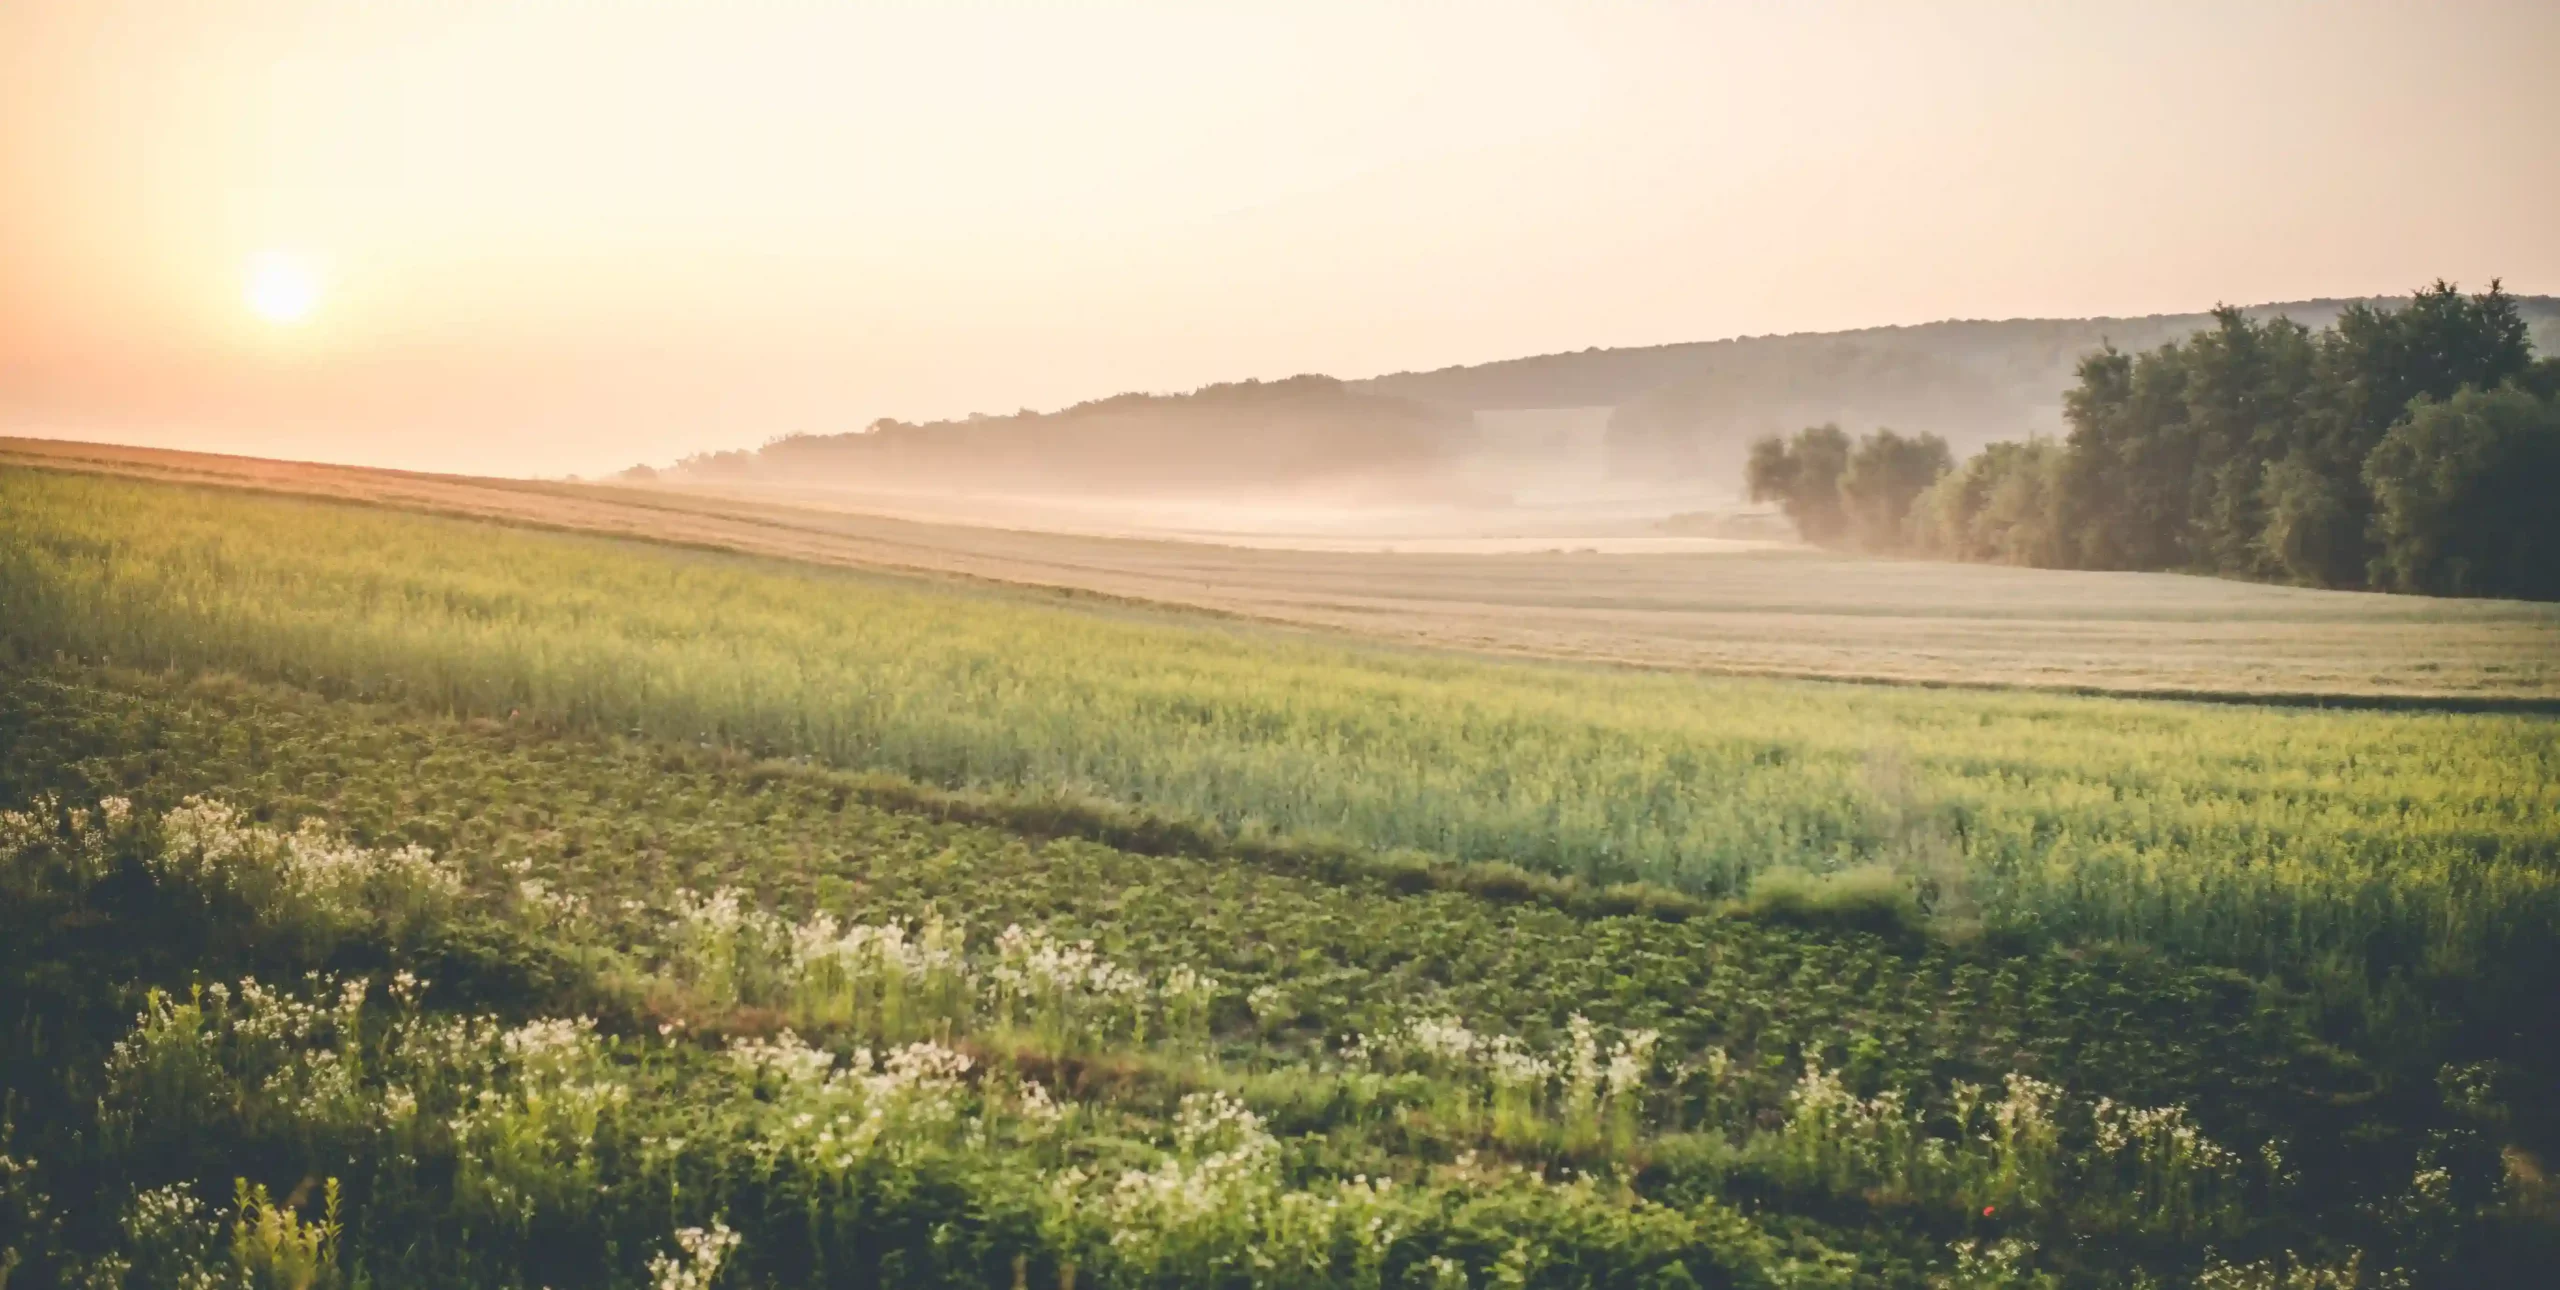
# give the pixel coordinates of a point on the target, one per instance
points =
(283, 287)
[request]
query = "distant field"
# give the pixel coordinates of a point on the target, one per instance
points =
(2083, 817)
(915, 931)
(1780, 613)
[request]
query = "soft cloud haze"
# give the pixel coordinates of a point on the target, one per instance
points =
(572, 236)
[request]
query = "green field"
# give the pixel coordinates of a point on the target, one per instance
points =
(1877, 985)
(1795, 613)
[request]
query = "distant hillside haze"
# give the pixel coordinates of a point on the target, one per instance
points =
(1691, 410)
(1668, 417)
(1247, 435)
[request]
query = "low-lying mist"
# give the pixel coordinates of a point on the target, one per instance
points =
(1306, 461)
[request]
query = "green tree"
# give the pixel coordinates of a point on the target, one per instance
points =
(2374, 364)
(2129, 461)
(1885, 474)
(2541, 379)
(2250, 388)
(2465, 491)
(1942, 518)
(2023, 517)
(1802, 475)
(2003, 504)
(2439, 343)
(2242, 449)
(2310, 534)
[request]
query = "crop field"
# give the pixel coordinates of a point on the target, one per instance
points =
(507, 907)
(1761, 613)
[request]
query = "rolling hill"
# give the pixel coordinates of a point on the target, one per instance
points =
(1690, 410)
(1660, 419)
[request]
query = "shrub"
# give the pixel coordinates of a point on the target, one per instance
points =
(1870, 898)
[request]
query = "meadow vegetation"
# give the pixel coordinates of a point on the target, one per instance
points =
(396, 900)
(1792, 613)
(2253, 837)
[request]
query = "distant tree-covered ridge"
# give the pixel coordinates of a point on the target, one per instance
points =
(1306, 429)
(1690, 411)
(1680, 416)
(2410, 449)
(1675, 415)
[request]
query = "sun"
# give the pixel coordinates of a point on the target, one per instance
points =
(283, 287)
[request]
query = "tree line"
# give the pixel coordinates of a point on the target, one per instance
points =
(2412, 449)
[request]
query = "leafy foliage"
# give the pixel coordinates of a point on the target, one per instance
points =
(1802, 475)
(1834, 490)
(2404, 450)
(2463, 494)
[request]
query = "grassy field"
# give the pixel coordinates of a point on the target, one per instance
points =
(1754, 613)
(2251, 836)
(1243, 1077)
(931, 933)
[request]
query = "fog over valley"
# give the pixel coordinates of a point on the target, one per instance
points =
(1628, 448)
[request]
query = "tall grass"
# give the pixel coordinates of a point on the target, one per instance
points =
(2359, 844)
(532, 1048)
(478, 1143)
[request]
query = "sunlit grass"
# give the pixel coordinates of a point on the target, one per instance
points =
(2350, 843)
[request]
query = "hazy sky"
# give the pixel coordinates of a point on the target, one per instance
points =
(555, 237)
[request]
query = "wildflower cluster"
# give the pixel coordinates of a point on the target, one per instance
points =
(893, 981)
(1995, 1265)
(1510, 1088)
(1066, 992)
(727, 950)
(78, 838)
(305, 875)
(888, 979)
(1837, 1140)
(545, 901)
(2024, 1139)
(834, 1116)
(531, 1135)
(2289, 1271)
(883, 978)
(188, 1061)
(2146, 1167)
(701, 1252)
(2178, 1174)
(1197, 1205)
(170, 1239)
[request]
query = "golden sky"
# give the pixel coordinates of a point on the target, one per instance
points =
(534, 238)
